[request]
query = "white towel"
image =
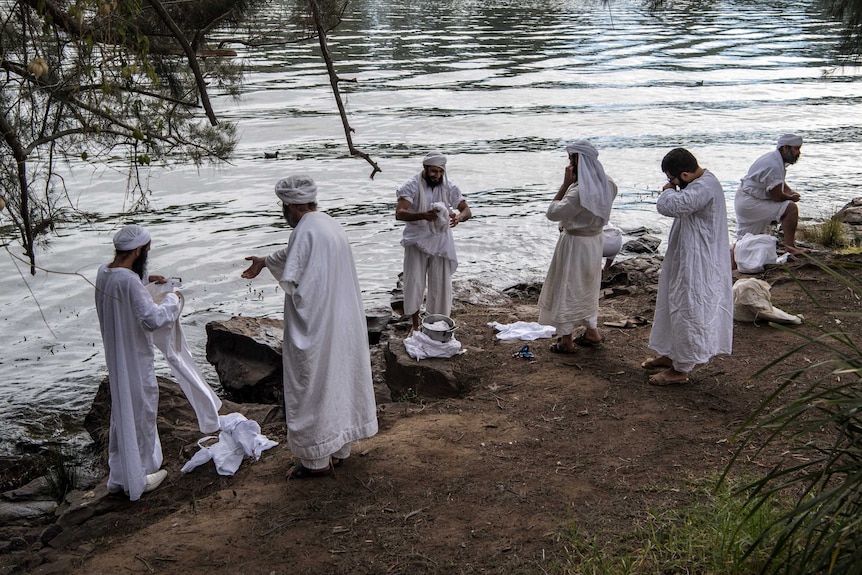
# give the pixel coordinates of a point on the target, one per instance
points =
(523, 330)
(420, 346)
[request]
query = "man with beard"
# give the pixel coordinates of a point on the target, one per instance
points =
(763, 197)
(694, 305)
(431, 205)
(582, 206)
(328, 393)
(127, 318)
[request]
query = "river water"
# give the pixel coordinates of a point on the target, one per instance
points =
(499, 86)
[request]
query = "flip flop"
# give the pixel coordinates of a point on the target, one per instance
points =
(661, 380)
(299, 471)
(582, 341)
(559, 348)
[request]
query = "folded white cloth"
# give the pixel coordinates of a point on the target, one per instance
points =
(420, 346)
(239, 438)
(523, 330)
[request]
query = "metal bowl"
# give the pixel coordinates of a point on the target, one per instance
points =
(436, 334)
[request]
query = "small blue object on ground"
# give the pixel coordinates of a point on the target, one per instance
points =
(524, 352)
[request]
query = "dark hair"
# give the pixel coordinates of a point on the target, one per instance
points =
(309, 207)
(677, 161)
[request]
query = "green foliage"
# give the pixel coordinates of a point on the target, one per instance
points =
(700, 538)
(94, 79)
(822, 533)
(829, 233)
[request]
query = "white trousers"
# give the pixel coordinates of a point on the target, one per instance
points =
(324, 462)
(421, 270)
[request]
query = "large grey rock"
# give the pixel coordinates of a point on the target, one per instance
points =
(646, 244)
(408, 378)
(23, 512)
(851, 213)
(246, 354)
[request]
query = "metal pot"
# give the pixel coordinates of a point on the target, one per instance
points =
(436, 334)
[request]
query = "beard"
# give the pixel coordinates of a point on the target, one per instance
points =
(139, 266)
(682, 185)
(789, 157)
(432, 181)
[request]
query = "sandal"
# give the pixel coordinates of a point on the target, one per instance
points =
(582, 341)
(299, 471)
(656, 363)
(560, 348)
(661, 379)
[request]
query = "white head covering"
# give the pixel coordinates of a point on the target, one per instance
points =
(131, 237)
(593, 187)
(434, 159)
(790, 140)
(296, 190)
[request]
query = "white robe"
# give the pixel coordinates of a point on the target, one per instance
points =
(570, 294)
(694, 306)
(755, 210)
(328, 393)
(429, 237)
(127, 317)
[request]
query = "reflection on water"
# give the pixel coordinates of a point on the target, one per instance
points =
(499, 86)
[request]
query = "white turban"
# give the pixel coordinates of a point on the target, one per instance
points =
(296, 190)
(790, 140)
(131, 237)
(434, 159)
(594, 189)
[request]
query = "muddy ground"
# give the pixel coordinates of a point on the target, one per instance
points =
(494, 482)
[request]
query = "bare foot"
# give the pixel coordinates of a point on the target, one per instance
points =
(794, 250)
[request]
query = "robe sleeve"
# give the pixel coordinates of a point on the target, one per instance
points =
(152, 316)
(675, 203)
(567, 208)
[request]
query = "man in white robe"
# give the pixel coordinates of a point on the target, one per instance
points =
(764, 197)
(582, 206)
(127, 318)
(694, 305)
(431, 205)
(328, 393)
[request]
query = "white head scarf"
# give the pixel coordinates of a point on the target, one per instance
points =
(593, 187)
(790, 140)
(296, 190)
(131, 237)
(434, 159)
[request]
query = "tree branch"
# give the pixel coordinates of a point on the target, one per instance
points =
(190, 54)
(333, 81)
(25, 229)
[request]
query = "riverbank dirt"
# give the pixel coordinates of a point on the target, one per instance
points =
(493, 482)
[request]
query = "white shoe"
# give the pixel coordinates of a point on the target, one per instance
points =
(155, 479)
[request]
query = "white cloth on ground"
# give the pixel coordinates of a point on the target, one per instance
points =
(753, 251)
(171, 341)
(570, 293)
(694, 305)
(127, 318)
(420, 346)
(328, 392)
(240, 437)
(752, 302)
(522, 330)
(754, 208)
